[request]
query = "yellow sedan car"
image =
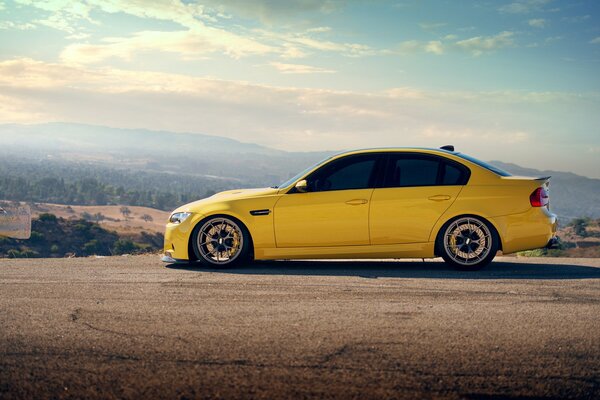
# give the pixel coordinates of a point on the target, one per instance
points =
(375, 203)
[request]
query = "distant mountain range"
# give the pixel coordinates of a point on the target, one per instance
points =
(234, 163)
(69, 137)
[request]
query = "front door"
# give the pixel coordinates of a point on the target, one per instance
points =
(335, 209)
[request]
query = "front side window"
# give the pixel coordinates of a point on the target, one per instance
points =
(351, 172)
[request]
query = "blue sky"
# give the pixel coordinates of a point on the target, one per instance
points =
(510, 80)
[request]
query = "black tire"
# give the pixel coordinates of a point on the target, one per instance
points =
(468, 243)
(214, 238)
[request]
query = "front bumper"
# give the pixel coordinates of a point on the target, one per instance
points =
(177, 237)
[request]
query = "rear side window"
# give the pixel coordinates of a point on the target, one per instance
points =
(452, 175)
(414, 172)
(409, 170)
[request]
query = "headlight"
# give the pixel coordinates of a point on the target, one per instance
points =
(179, 217)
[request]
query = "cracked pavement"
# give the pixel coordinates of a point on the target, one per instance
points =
(131, 327)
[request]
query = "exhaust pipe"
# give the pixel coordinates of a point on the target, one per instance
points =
(553, 243)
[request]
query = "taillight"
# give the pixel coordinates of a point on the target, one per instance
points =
(539, 197)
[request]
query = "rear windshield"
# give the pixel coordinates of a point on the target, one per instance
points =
(483, 164)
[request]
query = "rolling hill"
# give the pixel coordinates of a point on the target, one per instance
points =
(161, 169)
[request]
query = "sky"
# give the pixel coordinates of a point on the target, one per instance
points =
(516, 81)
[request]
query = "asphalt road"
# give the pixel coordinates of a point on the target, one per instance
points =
(131, 327)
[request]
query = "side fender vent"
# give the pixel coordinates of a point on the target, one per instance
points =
(260, 212)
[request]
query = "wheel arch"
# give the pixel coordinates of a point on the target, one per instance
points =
(192, 254)
(442, 226)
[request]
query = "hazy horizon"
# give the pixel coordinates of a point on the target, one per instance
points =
(514, 81)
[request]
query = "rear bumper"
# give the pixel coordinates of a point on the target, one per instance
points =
(533, 229)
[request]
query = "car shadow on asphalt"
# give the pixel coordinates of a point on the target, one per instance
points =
(403, 269)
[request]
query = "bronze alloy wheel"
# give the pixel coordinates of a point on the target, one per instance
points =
(468, 243)
(220, 241)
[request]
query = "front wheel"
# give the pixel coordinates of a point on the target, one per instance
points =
(221, 242)
(468, 243)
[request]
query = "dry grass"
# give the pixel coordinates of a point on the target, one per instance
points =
(114, 219)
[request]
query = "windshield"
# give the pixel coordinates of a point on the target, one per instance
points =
(483, 164)
(300, 175)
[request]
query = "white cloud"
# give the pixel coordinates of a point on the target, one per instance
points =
(410, 46)
(479, 44)
(551, 39)
(272, 11)
(537, 22)
(508, 137)
(300, 69)
(190, 44)
(201, 34)
(435, 47)
(432, 26)
(319, 29)
(416, 46)
(486, 124)
(595, 40)
(16, 25)
(577, 18)
(78, 36)
(523, 6)
(296, 45)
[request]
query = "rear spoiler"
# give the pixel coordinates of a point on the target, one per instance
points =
(543, 178)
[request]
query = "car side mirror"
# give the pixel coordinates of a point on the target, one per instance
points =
(302, 186)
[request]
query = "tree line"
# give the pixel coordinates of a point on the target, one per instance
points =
(89, 184)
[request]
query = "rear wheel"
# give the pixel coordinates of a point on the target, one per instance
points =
(221, 241)
(468, 243)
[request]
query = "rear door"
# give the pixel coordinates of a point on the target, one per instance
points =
(417, 189)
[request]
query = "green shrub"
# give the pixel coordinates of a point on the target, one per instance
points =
(124, 246)
(36, 237)
(533, 253)
(24, 253)
(91, 247)
(47, 217)
(13, 253)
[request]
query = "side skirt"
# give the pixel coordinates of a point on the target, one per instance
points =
(408, 250)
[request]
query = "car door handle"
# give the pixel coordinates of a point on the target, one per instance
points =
(356, 202)
(439, 197)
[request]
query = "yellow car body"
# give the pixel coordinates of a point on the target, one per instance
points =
(372, 222)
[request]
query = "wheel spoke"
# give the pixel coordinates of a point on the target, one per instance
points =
(219, 241)
(467, 241)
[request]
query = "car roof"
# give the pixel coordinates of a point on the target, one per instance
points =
(396, 149)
